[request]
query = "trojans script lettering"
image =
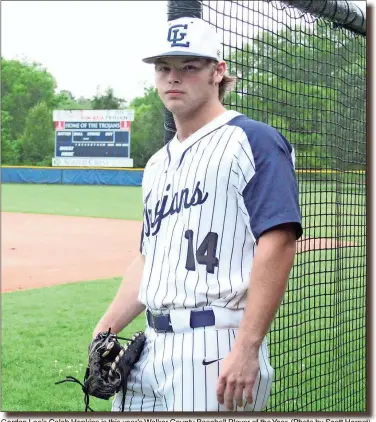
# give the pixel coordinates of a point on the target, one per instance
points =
(153, 218)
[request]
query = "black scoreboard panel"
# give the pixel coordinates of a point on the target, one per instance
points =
(92, 143)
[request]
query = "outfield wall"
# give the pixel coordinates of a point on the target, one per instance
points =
(133, 177)
(72, 176)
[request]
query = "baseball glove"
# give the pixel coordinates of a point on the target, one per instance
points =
(109, 365)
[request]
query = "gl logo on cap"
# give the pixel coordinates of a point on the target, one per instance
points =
(175, 35)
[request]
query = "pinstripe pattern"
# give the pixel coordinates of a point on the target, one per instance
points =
(205, 160)
(223, 231)
(184, 383)
(245, 280)
(193, 371)
(199, 156)
(173, 374)
(164, 371)
(199, 221)
(153, 267)
(241, 171)
(217, 163)
(217, 363)
(141, 393)
(161, 173)
(206, 376)
(199, 240)
(251, 161)
(182, 373)
(153, 364)
(215, 198)
(183, 155)
(189, 164)
(232, 294)
(169, 250)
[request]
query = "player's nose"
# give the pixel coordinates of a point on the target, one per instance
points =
(174, 76)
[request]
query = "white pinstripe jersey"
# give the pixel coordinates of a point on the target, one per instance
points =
(206, 201)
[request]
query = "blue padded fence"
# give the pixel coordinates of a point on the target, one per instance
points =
(69, 176)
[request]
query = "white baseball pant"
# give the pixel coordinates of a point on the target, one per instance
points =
(171, 376)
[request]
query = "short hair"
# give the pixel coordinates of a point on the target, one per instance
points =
(227, 83)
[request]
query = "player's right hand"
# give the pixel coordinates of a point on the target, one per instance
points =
(237, 377)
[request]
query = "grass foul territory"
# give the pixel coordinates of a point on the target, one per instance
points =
(86, 201)
(45, 336)
(36, 354)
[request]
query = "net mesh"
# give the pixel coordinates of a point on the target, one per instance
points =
(306, 77)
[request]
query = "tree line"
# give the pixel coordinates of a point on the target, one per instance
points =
(309, 86)
(29, 97)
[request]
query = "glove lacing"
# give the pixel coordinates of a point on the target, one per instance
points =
(73, 379)
(87, 397)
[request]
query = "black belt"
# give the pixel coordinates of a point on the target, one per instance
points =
(162, 322)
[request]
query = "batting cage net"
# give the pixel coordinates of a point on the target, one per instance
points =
(301, 67)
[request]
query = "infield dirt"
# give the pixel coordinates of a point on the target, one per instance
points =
(43, 250)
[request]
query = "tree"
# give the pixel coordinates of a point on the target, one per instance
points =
(310, 85)
(37, 147)
(107, 101)
(24, 85)
(64, 100)
(147, 129)
(10, 149)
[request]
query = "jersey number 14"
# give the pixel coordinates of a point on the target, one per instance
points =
(205, 254)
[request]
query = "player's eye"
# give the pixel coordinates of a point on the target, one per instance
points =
(190, 68)
(163, 68)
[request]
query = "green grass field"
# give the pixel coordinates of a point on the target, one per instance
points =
(126, 203)
(317, 341)
(318, 338)
(45, 335)
(84, 201)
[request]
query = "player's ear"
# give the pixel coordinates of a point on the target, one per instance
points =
(220, 71)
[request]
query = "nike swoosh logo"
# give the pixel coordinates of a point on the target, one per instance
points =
(208, 362)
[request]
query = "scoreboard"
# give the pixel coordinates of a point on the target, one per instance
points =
(102, 137)
(92, 139)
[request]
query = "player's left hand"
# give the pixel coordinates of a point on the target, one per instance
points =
(238, 374)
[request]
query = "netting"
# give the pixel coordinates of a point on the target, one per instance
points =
(305, 76)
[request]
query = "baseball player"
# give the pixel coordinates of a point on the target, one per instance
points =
(221, 220)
